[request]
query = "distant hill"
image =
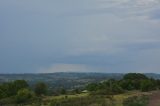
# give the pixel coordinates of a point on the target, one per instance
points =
(66, 80)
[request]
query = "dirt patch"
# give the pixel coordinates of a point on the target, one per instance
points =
(154, 99)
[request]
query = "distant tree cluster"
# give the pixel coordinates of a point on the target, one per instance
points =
(11, 88)
(131, 81)
(19, 92)
(106, 88)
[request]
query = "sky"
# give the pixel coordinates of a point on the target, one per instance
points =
(111, 36)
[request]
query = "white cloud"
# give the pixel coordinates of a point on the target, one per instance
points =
(66, 68)
(129, 8)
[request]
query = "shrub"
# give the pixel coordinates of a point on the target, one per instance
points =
(6, 101)
(136, 101)
(2, 94)
(82, 101)
(24, 96)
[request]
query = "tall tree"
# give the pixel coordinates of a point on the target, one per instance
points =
(41, 88)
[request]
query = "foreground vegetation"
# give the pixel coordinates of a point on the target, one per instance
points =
(131, 90)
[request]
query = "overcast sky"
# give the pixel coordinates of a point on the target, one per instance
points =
(79, 36)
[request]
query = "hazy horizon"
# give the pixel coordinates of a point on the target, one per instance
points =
(103, 36)
(33, 73)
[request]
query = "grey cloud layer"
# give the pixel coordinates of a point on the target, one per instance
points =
(79, 35)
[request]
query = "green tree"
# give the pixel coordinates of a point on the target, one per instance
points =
(41, 88)
(20, 84)
(2, 93)
(147, 85)
(134, 76)
(92, 87)
(8, 89)
(132, 81)
(116, 89)
(11, 88)
(158, 83)
(63, 91)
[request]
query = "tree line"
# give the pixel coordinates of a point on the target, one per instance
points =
(131, 81)
(19, 91)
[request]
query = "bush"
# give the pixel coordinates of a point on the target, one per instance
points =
(117, 89)
(24, 96)
(136, 101)
(82, 101)
(6, 101)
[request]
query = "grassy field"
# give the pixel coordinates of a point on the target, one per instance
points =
(99, 100)
(68, 96)
(121, 97)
